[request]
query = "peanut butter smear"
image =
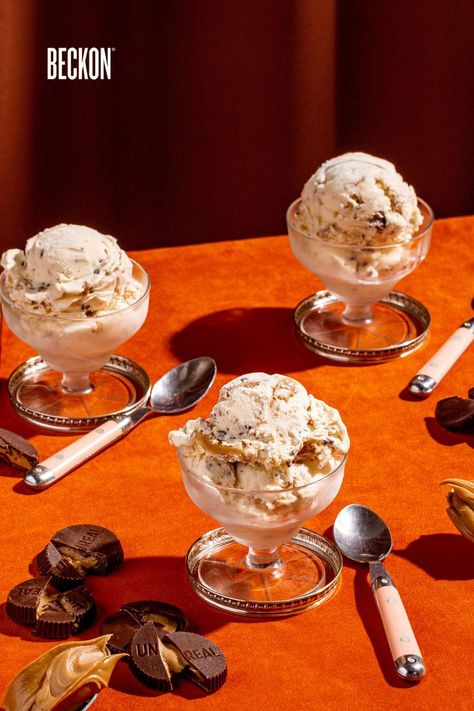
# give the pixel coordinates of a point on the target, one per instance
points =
(461, 506)
(56, 675)
(172, 659)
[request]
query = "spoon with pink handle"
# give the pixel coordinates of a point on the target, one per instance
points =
(176, 391)
(363, 536)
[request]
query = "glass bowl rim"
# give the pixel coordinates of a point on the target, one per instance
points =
(387, 245)
(261, 492)
(59, 317)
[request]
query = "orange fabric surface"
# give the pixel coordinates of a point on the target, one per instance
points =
(234, 301)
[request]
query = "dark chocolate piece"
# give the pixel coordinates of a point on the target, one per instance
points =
(122, 625)
(63, 574)
(146, 660)
(207, 665)
(471, 394)
(52, 619)
(80, 603)
(60, 615)
(17, 451)
(22, 600)
(455, 413)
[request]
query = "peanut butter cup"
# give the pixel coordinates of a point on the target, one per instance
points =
(22, 600)
(147, 659)
(54, 614)
(17, 451)
(205, 662)
(77, 551)
(123, 624)
(456, 413)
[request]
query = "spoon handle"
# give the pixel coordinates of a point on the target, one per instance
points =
(58, 465)
(442, 361)
(406, 654)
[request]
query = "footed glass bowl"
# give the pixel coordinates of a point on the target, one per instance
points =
(260, 557)
(360, 277)
(75, 349)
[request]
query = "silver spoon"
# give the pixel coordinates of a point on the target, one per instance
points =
(176, 391)
(363, 536)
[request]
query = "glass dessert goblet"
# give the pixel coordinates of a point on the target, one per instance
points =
(70, 380)
(361, 318)
(261, 562)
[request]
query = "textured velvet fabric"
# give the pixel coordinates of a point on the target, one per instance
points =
(234, 301)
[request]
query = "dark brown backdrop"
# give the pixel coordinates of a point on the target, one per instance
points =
(218, 111)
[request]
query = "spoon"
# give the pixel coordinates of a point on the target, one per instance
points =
(176, 391)
(363, 536)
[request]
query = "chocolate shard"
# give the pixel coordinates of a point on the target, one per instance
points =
(80, 603)
(17, 451)
(64, 575)
(166, 617)
(206, 663)
(455, 413)
(22, 600)
(92, 548)
(52, 619)
(60, 614)
(122, 625)
(146, 659)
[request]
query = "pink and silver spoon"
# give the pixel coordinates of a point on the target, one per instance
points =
(176, 391)
(363, 536)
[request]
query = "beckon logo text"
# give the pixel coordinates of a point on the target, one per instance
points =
(79, 62)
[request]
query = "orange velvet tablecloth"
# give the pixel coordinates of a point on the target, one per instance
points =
(234, 301)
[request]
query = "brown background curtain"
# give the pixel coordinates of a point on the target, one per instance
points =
(219, 110)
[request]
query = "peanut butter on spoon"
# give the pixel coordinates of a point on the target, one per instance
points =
(461, 506)
(66, 675)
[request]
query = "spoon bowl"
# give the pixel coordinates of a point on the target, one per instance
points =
(361, 534)
(184, 386)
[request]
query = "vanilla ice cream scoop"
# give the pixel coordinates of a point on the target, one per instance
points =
(70, 269)
(74, 296)
(359, 199)
(265, 432)
(259, 418)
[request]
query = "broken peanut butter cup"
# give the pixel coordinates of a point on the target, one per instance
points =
(54, 614)
(148, 659)
(122, 625)
(155, 661)
(205, 662)
(77, 551)
(17, 451)
(22, 600)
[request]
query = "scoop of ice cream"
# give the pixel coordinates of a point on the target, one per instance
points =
(265, 432)
(70, 269)
(359, 199)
